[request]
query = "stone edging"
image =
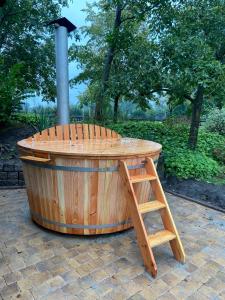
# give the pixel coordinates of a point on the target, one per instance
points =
(11, 175)
(203, 203)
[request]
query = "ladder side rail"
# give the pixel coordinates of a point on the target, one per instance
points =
(138, 223)
(166, 215)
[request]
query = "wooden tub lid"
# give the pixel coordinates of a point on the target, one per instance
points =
(123, 147)
(87, 140)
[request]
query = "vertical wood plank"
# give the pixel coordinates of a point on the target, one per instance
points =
(114, 134)
(61, 195)
(59, 133)
(44, 135)
(52, 136)
(37, 136)
(79, 128)
(66, 132)
(97, 132)
(103, 132)
(108, 133)
(86, 184)
(91, 131)
(73, 132)
(80, 195)
(85, 131)
(93, 206)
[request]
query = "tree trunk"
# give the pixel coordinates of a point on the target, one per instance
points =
(107, 66)
(195, 118)
(116, 106)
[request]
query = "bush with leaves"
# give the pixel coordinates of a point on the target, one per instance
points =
(190, 164)
(40, 117)
(10, 92)
(179, 160)
(215, 122)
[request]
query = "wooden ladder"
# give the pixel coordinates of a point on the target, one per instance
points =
(169, 234)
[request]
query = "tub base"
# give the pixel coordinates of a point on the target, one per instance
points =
(71, 228)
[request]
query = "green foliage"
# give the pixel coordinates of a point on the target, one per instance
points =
(185, 163)
(10, 92)
(179, 161)
(131, 77)
(27, 52)
(24, 118)
(43, 121)
(45, 117)
(41, 117)
(215, 121)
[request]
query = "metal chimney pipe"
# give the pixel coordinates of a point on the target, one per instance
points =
(62, 28)
(62, 74)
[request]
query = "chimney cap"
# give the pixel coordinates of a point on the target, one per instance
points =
(63, 22)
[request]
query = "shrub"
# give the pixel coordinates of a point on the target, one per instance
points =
(10, 92)
(25, 118)
(215, 121)
(40, 118)
(185, 163)
(179, 160)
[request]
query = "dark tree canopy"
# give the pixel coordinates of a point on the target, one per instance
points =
(27, 50)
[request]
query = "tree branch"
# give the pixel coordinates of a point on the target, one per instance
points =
(127, 19)
(169, 91)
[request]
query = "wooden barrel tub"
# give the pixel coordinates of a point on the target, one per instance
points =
(72, 179)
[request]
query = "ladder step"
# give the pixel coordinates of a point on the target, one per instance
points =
(141, 178)
(160, 237)
(150, 206)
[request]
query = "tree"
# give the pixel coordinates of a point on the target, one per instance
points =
(115, 62)
(193, 53)
(26, 41)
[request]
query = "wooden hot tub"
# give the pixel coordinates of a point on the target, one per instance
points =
(72, 179)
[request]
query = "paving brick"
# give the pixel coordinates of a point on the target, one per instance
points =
(148, 294)
(2, 282)
(221, 296)
(171, 279)
(216, 284)
(28, 271)
(159, 287)
(208, 292)
(25, 284)
(4, 269)
(168, 296)
(86, 281)
(12, 277)
(70, 276)
(198, 296)
(72, 288)
(136, 297)
(39, 278)
(10, 290)
(99, 275)
(25, 295)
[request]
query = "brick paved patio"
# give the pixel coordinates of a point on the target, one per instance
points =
(39, 264)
